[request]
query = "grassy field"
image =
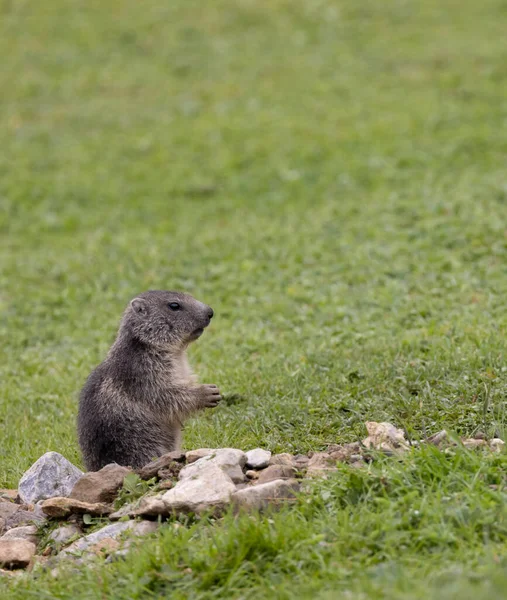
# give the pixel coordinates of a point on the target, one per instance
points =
(330, 177)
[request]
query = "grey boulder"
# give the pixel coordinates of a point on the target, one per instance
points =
(52, 475)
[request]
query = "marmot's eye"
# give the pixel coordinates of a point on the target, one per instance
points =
(174, 306)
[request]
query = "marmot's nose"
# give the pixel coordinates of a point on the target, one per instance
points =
(210, 313)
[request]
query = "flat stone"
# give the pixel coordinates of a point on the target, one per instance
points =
(471, 444)
(16, 553)
(23, 517)
(163, 462)
(7, 509)
(208, 489)
(193, 455)
(62, 507)
(261, 496)
(230, 460)
(27, 532)
(6, 494)
(64, 534)
(320, 464)
(274, 472)
(100, 486)
(52, 475)
(89, 543)
(257, 458)
(281, 459)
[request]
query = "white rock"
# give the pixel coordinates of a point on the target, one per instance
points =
(28, 533)
(52, 475)
(111, 532)
(208, 488)
(257, 458)
(261, 495)
(63, 534)
(229, 460)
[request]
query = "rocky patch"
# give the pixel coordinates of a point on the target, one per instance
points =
(58, 508)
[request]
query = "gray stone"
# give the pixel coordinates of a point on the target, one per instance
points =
(257, 458)
(100, 486)
(193, 455)
(27, 532)
(275, 472)
(52, 475)
(16, 553)
(63, 534)
(23, 517)
(208, 489)
(260, 496)
(102, 538)
(7, 509)
(229, 460)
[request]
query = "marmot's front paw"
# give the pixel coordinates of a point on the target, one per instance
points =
(209, 395)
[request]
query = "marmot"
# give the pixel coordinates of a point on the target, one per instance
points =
(132, 407)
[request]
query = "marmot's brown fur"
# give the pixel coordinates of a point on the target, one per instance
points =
(133, 405)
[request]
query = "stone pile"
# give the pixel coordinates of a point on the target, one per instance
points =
(59, 512)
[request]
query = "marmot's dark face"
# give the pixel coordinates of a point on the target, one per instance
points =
(166, 320)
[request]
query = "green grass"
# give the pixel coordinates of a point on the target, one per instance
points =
(330, 177)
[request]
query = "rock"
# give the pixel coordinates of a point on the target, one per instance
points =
(11, 495)
(194, 455)
(89, 543)
(100, 486)
(64, 534)
(281, 459)
(23, 517)
(300, 461)
(16, 553)
(275, 472)
(229, 460)
(52, 475)
(496, 444)
(151, 506)
(260, 496)
(2, 525)
(385, 437)
(438, 438)
(257, 458)
(165, 484)
(471, 444)
(252, 474)
(208, 489)
(62, 507)
(27, 532)
(151, 469)
(7, 509)
(345, 452)
(320, 464)
(104, 547)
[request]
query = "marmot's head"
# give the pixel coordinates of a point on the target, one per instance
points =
(166, 320)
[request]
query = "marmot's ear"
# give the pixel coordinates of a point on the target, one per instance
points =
(139, 306)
